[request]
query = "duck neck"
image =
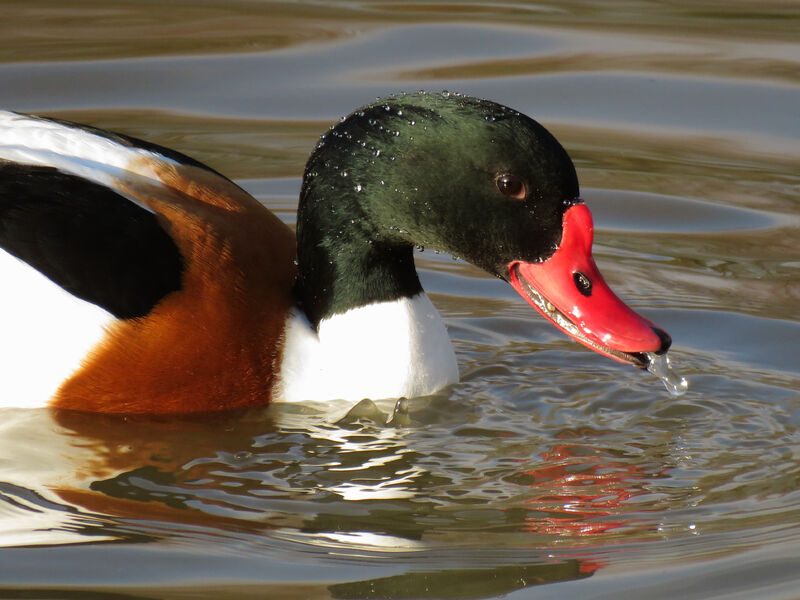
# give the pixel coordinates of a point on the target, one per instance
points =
(373, 331)
(343, 267)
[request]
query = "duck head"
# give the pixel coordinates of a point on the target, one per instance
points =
(469, 177)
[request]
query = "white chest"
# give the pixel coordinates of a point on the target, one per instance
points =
(383, 350)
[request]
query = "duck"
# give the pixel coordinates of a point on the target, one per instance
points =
(138, 280)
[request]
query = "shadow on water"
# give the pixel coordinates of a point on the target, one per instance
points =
(463, 583)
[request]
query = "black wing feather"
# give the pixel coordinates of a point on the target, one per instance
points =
(93, 242)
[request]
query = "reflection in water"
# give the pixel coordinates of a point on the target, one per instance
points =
(582, 491)
(245, 475)
(237, 471)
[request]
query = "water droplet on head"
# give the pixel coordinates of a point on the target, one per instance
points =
(399, 113)
(377, 152)
(358, 187)
(344, 173)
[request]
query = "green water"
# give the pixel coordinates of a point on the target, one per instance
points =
(549, 471)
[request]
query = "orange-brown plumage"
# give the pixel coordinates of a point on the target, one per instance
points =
(216, 342)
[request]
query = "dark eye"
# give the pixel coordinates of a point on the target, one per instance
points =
(511, 186)
(583, 283)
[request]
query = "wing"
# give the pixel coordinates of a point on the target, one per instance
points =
(88, 239)
(67, 209)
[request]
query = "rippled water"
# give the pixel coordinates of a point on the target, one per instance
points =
(547, 463)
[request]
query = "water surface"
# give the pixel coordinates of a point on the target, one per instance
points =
(548, 466)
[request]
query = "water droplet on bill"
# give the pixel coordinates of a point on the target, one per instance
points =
(659, 365)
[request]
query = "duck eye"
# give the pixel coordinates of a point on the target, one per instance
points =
(511, 186)
(583, 283)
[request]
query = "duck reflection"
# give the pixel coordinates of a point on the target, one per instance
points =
(255, 470)
(357, 486)
(154, 469)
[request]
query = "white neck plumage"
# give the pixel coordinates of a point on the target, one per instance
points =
(383, 350)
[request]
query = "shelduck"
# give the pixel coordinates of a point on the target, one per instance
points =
(138, 280)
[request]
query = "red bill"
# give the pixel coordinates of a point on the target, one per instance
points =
(568, 290)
